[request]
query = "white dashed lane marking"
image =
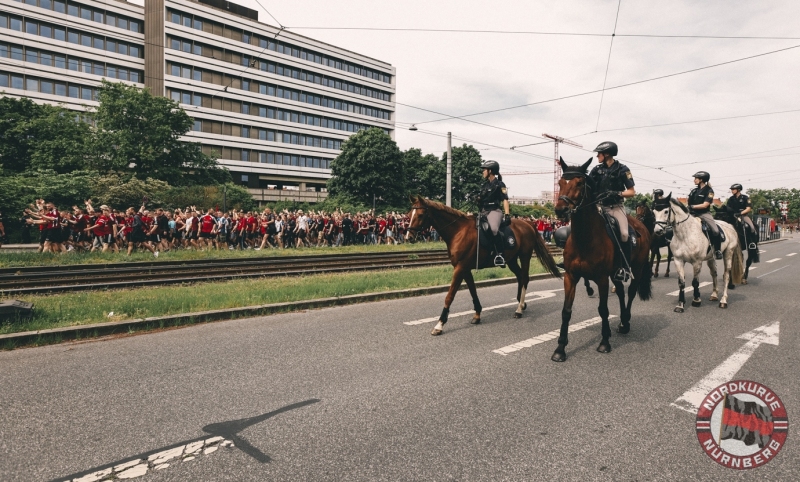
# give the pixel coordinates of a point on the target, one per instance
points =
(550, 335)
(773, 260)
(530, 297)
(791, 254)
(689, 287)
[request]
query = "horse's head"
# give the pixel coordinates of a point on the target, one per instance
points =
(662, 209)
(418, 215)
(574, 188)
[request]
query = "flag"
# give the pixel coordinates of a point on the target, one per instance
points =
(746, 421)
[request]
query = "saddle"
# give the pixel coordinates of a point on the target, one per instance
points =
(708, 233)
(612, 228)
(487, 238)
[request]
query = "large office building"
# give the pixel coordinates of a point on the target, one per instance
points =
(273, 106)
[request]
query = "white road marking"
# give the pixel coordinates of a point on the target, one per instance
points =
(791, 254)
(773, 260)
(138, 467)
(693, 397)
(535, 296)
(770, 272)
(753, 267)
(761, 251)
(548, 336)
(689, 287)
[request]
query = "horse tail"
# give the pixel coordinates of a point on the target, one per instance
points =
(737, 266)
(544, 255)
(645, 288)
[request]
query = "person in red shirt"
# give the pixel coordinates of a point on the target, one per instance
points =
(252, 229)
(208, 229)
(102, 229)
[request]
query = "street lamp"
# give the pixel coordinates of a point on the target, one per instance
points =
(449, 181)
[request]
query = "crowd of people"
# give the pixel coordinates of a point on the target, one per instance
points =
(107, 229)
(89, 228)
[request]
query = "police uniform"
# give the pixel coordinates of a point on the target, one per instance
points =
(614, 180)
(700, 195)
(492, 195)
(740, 203)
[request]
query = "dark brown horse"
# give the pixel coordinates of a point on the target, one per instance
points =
(589, 254)
(646, 216)
(459, 232)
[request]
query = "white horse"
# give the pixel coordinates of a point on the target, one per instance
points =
(689, 244)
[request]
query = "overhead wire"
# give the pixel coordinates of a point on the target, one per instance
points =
(628, 84)
(608, 64)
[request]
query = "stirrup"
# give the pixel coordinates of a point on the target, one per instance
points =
(622, 274)
(752, 246)
(499, 261)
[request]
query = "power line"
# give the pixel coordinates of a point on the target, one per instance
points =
(687, 122)
(467, 120)
(608, 64)
(534, 32)
(272, 16)
(661, 77)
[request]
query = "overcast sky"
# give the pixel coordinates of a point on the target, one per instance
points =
(464, 73)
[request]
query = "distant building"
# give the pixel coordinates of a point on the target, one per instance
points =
(528, 201)
(275, 106)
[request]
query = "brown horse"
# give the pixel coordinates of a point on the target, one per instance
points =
(459, 232)
(589, 254)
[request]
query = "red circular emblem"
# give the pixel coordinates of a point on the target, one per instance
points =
(742, 424)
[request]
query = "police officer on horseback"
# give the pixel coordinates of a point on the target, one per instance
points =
(700, 200)
(493, 203)
(741, 205)
(614, 183)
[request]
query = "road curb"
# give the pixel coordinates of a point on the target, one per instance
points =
(772, 241)
(58, 335)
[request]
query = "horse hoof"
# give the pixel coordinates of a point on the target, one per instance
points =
(655, 275)
(713, 298)
(623, 328)
(723, 305)
(696, 303)
(604, 348)
(678, 309)
(589, 292)
(517, 315)
(613, 289)
(731, 286)
(744, 281)
(666, 275)
(476, 320)
(559, 357)
(436, 332)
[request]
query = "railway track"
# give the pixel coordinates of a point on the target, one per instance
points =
(87, 277)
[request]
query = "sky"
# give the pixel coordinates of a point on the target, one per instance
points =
(464, 73)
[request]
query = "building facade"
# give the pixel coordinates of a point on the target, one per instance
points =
(273, 106)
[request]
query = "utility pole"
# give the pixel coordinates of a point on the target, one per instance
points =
(557, 167)
(449, 195)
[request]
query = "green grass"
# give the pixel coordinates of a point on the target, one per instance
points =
(72, 309)
(15, 260)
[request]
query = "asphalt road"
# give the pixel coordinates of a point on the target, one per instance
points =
(387, 401)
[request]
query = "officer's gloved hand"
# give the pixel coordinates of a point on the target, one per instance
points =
(506, 220)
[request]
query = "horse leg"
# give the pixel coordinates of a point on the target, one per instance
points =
(696, 301)
(624, 327)
(681, 286)
(669, 258)
(747, 268)
(712, 269)
(589, 290)
(476, 304)
(602, 287)
(458, 276)
(726, 275)
(655, 254)
(521, 287)
(525, 267)
(560, 354)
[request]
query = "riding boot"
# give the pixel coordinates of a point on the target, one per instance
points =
(717, 246)
(623, 272)
(498, 247)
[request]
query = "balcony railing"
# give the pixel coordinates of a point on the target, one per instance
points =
(274, 195)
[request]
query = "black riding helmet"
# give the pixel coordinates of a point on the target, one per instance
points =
(737, 186)
(702, 175)
(658, 192)
(608, 148)
(492, 166)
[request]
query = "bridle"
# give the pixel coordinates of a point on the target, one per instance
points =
(669, 222)
(575, 206)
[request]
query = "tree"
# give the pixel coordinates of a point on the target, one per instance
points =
(467, 176)
(370, 165)
(424, 174)
(140, 133)
(16, 132)
(631, 202)
(61, 140)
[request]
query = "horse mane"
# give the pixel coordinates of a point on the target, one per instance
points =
(680, 205)
(441, 207)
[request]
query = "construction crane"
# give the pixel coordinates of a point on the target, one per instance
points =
(557, 166)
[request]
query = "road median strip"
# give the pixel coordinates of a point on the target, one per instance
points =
(56, 335)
